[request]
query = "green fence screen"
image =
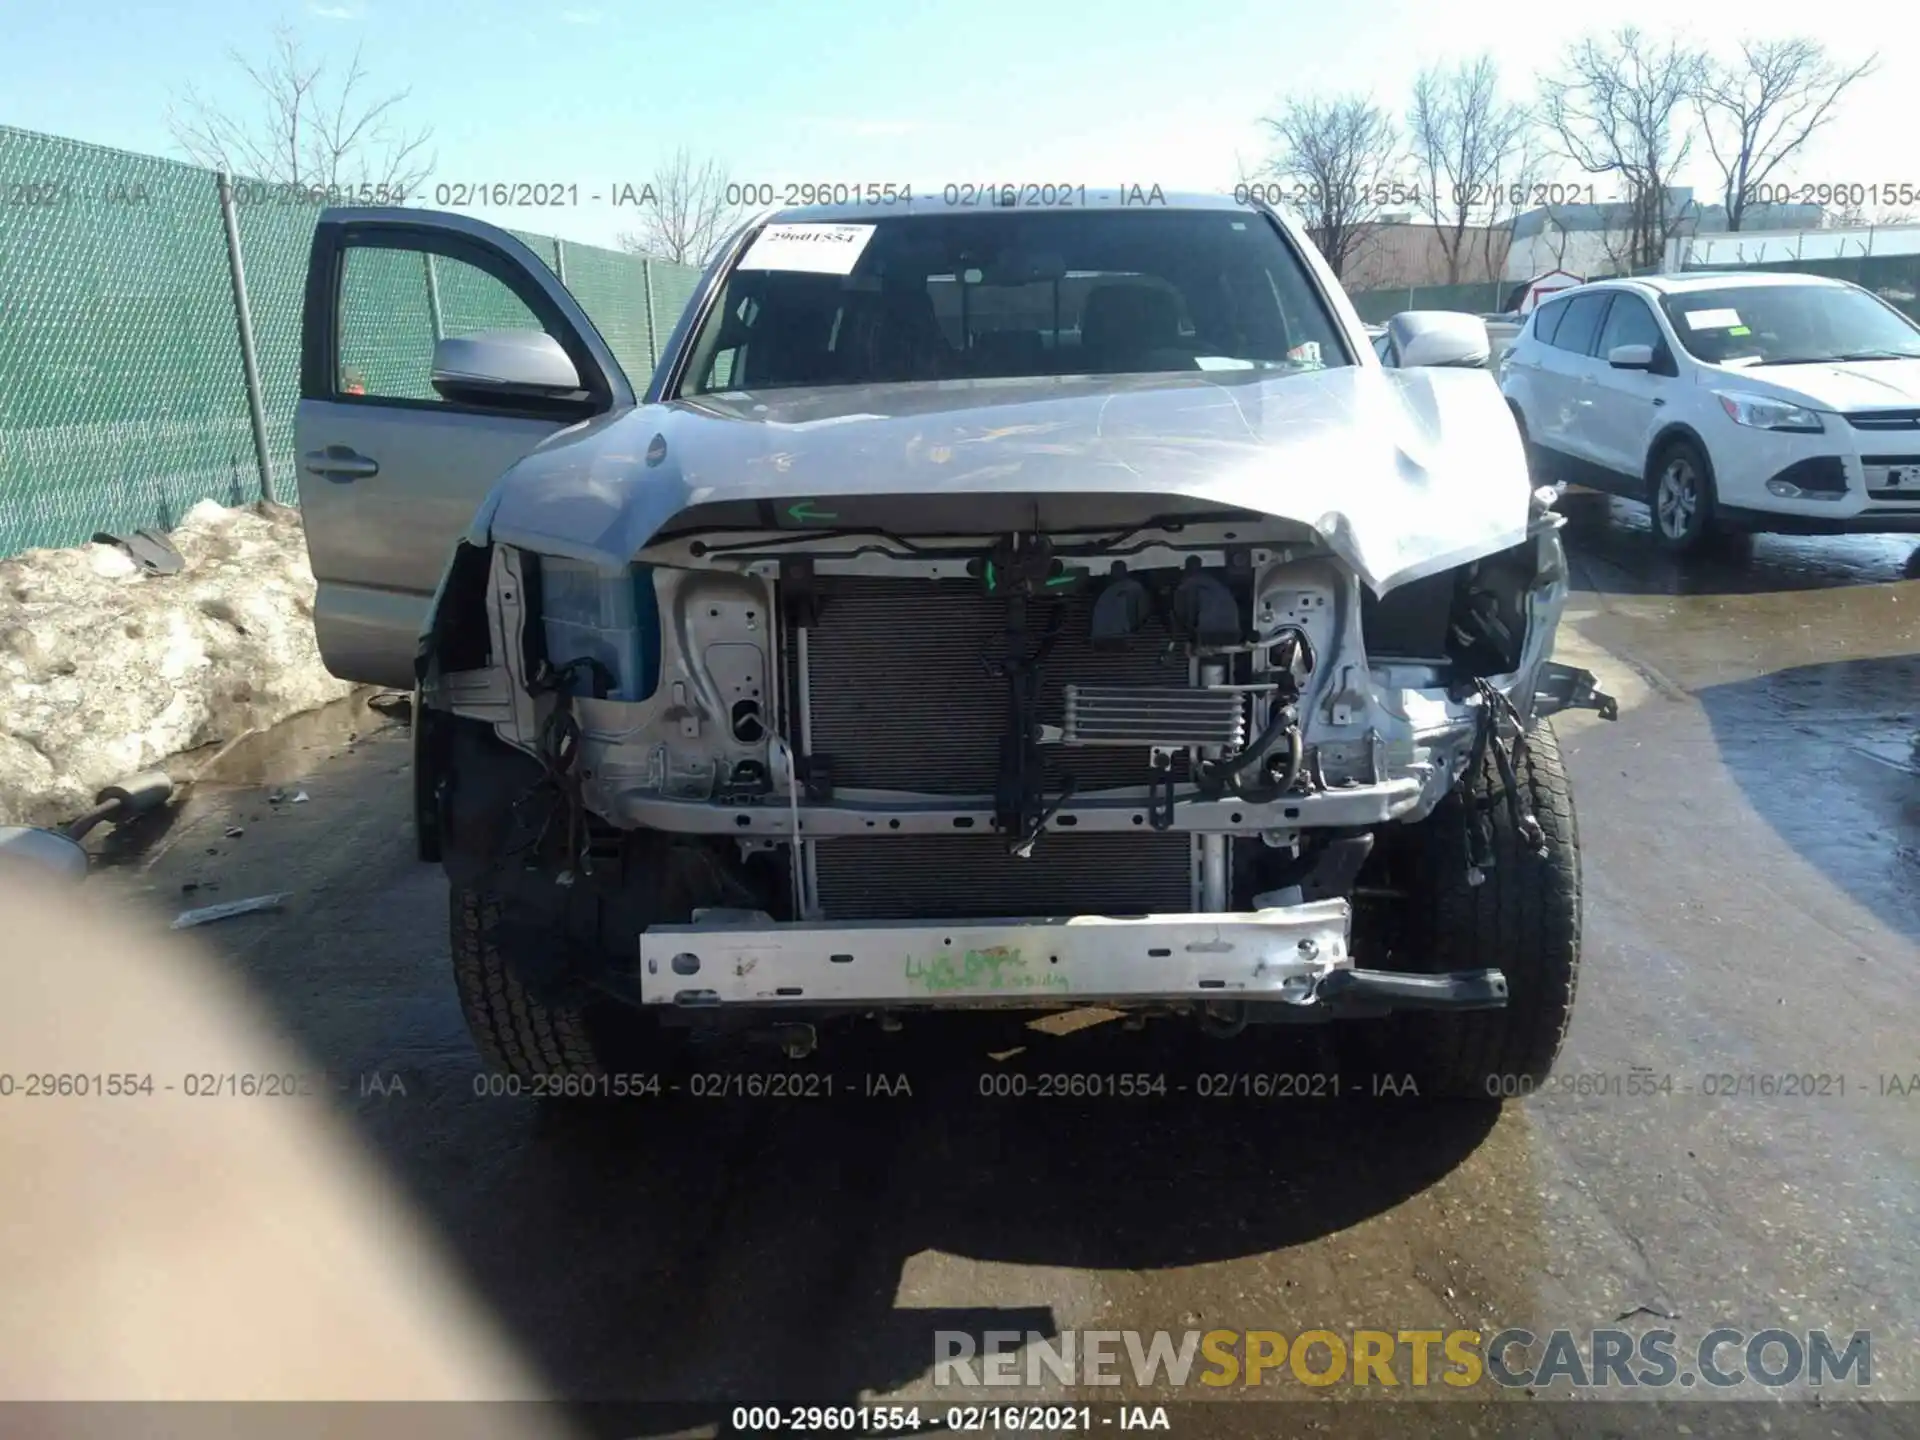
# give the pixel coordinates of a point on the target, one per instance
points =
(1376, 307)
(1895, 278)
(122, 394)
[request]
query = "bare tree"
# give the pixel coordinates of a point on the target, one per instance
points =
(1465, 141)
(1557, 236)
(303, 127)
(687, 211)
(1758, 111)
(1622, 109)
(1516, 186)
(1337, 158)
(1622, 247)
(1853, 216)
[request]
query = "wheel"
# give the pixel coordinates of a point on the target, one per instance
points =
(1682, 498)
(1523, 917)
(521, 962)
(515, 1033)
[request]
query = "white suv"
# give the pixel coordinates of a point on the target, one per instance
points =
(1726, 401)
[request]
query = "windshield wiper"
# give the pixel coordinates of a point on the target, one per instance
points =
(1850, 355)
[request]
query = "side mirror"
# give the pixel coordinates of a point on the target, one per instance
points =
(504, 365)
(1439, 337)
(1631, 357)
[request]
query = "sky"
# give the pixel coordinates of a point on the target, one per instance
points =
(596, 93)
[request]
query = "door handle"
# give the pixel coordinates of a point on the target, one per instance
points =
(341, 463)
(1658, 401)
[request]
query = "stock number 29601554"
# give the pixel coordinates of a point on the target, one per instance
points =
(1012, 1085)
(811, 1419)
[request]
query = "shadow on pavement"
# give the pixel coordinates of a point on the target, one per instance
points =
(669, 1251)
(1825, 754)
(702, 1251)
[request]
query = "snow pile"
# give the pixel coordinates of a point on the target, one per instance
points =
(106, 670)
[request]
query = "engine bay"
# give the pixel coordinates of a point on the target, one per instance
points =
(1024, 723)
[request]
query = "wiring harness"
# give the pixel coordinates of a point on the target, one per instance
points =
(1509, 754)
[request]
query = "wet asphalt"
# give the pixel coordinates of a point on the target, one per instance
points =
(1751, 846)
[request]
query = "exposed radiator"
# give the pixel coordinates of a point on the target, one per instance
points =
(901, 700)
(936, 877)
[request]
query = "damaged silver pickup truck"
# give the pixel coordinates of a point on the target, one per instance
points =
(982, 607)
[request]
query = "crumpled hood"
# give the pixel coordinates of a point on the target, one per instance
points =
(1842, 386)
(1403, 473)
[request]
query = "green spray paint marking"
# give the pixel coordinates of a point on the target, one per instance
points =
(997, 968)
(804, 511)
(1066, 579)
(990, 579)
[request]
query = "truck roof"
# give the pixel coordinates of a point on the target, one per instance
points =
(982, 198)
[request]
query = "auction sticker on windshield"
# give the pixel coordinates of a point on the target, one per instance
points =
(1712, 319)
(816, 249)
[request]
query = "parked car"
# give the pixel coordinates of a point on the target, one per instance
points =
(977, 608)
(1727, 401)
(1500, 337)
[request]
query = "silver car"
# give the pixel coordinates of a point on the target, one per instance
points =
(980, 607)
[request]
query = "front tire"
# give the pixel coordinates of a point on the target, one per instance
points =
(517, 1034)
(1682, 498)
(1524, 918)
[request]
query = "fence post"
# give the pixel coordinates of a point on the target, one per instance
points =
(560, 259)
(243, 316)
(653, 329)
(433, 296)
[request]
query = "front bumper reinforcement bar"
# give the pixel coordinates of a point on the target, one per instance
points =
(1295, 955)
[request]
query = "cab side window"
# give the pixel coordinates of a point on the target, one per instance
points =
(396, 304)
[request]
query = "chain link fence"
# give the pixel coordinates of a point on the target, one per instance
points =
(1894, 278)
(123, 397)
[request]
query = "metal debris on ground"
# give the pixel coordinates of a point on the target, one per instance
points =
(150, 549)
(301, 798)
(207, 914)
(234, 832)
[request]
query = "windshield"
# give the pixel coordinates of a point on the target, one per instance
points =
(933, 297)
(1789, 324)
